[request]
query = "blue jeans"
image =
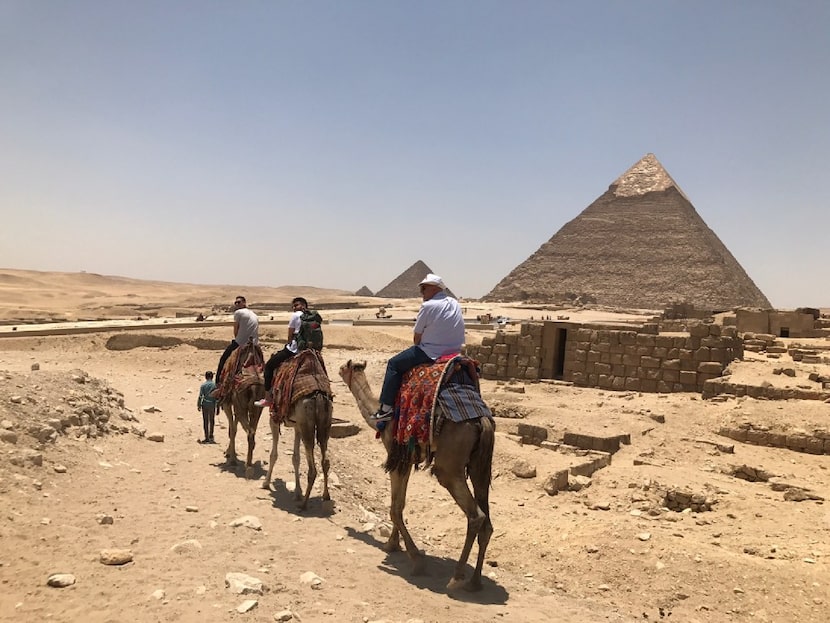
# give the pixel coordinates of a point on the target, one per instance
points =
(398, 365)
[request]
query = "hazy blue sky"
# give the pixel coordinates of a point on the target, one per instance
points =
(335, 143)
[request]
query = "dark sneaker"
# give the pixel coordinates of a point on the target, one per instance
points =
(382, 415)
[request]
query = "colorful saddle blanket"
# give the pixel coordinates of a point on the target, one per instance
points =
(451, 383)
(243, 368)
(302, 375)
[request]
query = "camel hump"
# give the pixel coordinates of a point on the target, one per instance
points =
(302, 375)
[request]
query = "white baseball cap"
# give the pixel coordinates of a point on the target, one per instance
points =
(432, 280)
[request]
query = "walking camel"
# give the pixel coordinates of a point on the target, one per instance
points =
(311, 420)
(240, 409)
(461, 449)
(310, 415)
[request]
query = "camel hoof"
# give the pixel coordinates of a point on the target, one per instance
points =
(391, 546)
(266, 485)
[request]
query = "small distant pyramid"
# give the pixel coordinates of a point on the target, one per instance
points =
(364, 291)
(641, 244)
(405, 285)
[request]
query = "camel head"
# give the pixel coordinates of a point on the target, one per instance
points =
(348, 369)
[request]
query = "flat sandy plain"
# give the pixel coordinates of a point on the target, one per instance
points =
(609, 552)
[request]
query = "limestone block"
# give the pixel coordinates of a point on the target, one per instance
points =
(602, 368)
(699, 330)
(670, 376)
(532, 373)
(652, 374)
(644, 339)
(632, 384)
(660, 352)
(671, 364)
(688, 377)
(645, 351)
(702, 354)
(593, 355)
(604, 381)
(628, 337)
(511, 339)
(618, 383)
(501, 349)
(663, 387)
(664, 341)
(692, 343)
(603, 347)
(710, 367)
(487, 341)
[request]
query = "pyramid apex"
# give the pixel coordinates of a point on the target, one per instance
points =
(646, 176)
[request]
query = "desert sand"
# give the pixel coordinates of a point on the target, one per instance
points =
(609, 551)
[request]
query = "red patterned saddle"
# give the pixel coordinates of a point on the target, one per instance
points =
(302, 375)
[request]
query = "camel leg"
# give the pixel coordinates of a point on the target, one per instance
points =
(308, 445)
(456, 484)
(275, 440)
(399, 481)
(480, 471)
(295, 461)
(323, 432)
(253, 414)
(230, 453)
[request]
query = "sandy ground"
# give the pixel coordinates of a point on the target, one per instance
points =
(609, 552)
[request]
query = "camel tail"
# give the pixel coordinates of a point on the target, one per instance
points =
(321, 408)
(481, 462)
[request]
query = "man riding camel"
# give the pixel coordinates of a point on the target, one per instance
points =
(439, 331)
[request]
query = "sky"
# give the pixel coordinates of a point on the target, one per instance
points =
(335, 143)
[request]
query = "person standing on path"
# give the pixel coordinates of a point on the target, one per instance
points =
(207, 406)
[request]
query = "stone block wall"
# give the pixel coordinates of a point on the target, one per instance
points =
(510, 355)
(632, 361)
(617, 359)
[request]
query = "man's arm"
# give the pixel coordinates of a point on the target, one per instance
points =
(236, 329)
(290, 334)
(416, 338)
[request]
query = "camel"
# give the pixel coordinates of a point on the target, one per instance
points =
(311, 420)
(302, 399)
(240, 409)
(460, 449)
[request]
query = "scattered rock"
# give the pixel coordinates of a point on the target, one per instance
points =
(104, 519)
(116, 556)
(284, 615)
(523, 469)
(245, 606)
(243, 584)
(158, 594)
(187, 547)
(60, 580)
(312, 579)
(246, 521)
(158, 437)
(151, 409)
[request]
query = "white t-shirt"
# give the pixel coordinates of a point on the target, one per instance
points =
(294, 323)
(248, 326)
(441, 325)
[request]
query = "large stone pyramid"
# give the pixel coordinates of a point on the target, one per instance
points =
(364, 291)
(405, 285)
(639, 245)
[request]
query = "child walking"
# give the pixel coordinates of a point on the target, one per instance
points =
(207, 406)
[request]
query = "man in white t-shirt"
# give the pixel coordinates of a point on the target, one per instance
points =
(245, 328)
(439, 331)
(298, 305)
